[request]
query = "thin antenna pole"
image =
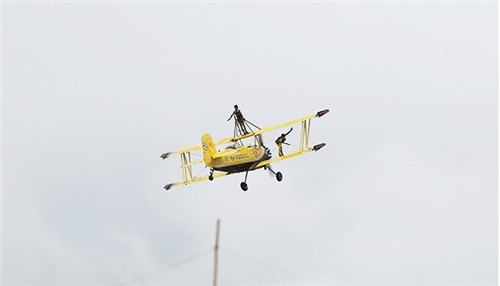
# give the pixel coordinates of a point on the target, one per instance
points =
(216, 250)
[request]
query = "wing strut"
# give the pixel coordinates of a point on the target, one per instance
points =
(304, 135)
(187, 170)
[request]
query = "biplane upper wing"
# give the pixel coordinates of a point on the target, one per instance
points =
(250, 134)
(291, 122)
(273, 127)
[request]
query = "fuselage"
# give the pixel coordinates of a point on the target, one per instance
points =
(239, 159)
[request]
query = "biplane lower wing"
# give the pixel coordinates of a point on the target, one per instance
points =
(288, 156)
(194, 180)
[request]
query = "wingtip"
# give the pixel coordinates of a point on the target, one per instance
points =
(168, 187)
(322, 112)
(319, 146)
(165, 155)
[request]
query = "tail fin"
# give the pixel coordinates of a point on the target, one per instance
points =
(208, 148)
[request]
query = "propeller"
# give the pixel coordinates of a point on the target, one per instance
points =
(268, 167)
(261, 140)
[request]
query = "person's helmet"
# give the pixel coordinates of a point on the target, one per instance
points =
(282, 134)
(235, 106)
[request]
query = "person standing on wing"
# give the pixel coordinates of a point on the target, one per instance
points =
(281, 140)
(239, 118)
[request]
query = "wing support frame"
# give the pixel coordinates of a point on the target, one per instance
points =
(186, 166)
(304, 134)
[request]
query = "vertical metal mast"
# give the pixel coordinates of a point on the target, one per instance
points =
(216, 250)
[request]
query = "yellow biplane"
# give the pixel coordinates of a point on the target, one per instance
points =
(238, 158)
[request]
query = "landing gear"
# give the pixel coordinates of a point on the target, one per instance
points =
(211, 176)
(279, 176)
(244, 185)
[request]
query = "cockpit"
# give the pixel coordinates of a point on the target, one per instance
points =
(233, 146)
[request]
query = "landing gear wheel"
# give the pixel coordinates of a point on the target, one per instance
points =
(211, 177)
(244, 186)
(279, 176)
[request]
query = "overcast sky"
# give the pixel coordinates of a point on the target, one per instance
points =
(405, 191)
